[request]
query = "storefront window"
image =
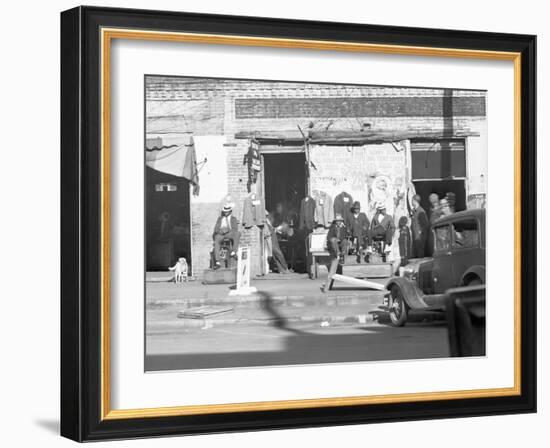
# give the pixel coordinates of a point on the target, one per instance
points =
(466, 234)
(166, 187)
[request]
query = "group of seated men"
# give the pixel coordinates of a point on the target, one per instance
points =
(358, 228)
(360, 231)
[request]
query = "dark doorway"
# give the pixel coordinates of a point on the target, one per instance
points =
(167, 211)
(441, 187)
(285, 185)
(439, 166)
(284, 180)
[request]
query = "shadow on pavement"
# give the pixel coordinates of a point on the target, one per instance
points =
(381, 343)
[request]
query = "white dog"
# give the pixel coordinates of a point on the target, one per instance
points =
(180, 270)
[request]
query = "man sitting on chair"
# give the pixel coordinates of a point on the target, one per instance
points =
(337, 245)
(226, 228)
(382, 229)
(359, 228)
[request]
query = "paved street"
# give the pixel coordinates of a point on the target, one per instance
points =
(296, 325)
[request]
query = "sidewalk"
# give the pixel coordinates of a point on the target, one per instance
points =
(160, 294)
(294, 300)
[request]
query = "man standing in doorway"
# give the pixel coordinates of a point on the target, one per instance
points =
(226, 228)
(445, 207)
(435, 209)
(419, 227)
(272, 244)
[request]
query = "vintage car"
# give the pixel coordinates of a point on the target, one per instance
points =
(458, 260)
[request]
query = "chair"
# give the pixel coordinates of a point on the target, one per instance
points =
(226, 247)
(378, 248)
(317, 249)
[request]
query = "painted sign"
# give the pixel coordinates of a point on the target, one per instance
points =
(243, 273)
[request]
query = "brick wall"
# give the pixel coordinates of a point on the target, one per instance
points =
(205, 207)
(237, 177)
(214, 107)
(167, 88)
(359, 107)
(210, 107)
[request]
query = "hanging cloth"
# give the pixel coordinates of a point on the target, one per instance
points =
(178, 159)
(253, 211)
(307, 213)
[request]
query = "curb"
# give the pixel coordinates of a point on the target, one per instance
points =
(289, 300)
(365, 319)
(205, 323)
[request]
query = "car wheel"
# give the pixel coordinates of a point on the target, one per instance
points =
(398, 308)
(474, 281)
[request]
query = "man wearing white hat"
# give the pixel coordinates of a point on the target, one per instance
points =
(382, 228)
(227, 227)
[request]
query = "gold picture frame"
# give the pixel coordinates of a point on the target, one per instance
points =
(105, 32)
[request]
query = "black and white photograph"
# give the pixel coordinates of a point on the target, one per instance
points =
(292, 223)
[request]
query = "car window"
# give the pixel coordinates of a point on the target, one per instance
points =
(466, 234)
(442, 236)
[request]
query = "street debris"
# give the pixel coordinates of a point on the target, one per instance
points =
(358, 282)
(201, 312)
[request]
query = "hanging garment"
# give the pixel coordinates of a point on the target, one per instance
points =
(253, 161)
(307, 213)
(253, 211)
(342, 205)
(324, 213)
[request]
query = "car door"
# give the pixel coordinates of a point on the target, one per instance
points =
(442, 260)
(466, 247)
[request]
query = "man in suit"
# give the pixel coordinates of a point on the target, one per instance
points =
(227, 227)
(359, 228)
(272, 244)
(382, 228)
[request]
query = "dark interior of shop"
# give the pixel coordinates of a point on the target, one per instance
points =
(167, 220)
(285, 180)
(285, 183)
(441, 187)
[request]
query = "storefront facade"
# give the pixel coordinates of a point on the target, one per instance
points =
(375, 143)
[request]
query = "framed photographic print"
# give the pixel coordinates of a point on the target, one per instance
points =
(276, 224)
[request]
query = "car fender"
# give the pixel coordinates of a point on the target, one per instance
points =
(411, 293)
(477, 270)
